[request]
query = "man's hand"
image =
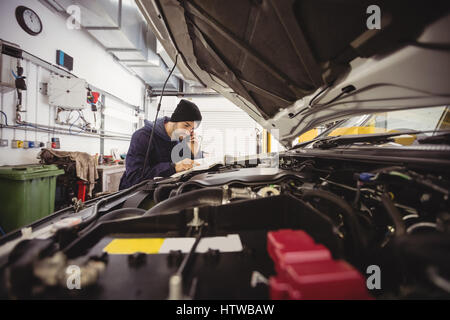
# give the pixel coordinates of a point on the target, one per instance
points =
(193, 144)
(184, 165)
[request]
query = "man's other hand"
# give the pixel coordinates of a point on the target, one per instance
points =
(184, 165)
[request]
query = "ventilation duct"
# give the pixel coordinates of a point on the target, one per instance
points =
(119, 26)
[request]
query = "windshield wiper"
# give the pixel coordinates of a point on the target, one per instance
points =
(437, 139)
(332, 142)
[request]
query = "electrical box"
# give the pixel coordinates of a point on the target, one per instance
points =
(67, 92)
(8, 62)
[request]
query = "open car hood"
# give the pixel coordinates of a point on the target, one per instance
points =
(272, 58)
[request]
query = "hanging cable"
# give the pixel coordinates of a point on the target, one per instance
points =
(156, 117)
(70, 128)
(6, 118)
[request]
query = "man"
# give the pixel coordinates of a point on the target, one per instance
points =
(163, 159)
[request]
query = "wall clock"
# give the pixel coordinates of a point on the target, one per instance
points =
(28, 20)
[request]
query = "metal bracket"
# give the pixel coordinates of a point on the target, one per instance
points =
(77, 204)
(196, 221)
(43, 88)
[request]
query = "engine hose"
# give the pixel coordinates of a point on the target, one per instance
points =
(162, 192)
(95, 211)
(394, 214)
(94, 215)
(122, 213)
(350, 218)
(187, 183)
(173, 193)
(116, 214)
(206, 196)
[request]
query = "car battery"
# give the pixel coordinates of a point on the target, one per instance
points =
(306, 270)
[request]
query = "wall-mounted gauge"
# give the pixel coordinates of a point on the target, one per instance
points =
(28, 20)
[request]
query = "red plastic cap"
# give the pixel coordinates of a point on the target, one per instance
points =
(306, 270)
(294, 246)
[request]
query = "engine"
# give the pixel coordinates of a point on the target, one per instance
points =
(307, 229)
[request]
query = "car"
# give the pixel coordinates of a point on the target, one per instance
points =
(357, 211)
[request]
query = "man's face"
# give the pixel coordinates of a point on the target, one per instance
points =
(182, 129)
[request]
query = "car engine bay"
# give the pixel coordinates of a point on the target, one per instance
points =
(310, 228)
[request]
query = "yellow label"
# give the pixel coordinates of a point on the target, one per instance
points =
(130, 246)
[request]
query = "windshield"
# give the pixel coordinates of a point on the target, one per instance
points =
(431, 119)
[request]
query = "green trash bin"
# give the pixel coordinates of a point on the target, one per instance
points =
(27, 193)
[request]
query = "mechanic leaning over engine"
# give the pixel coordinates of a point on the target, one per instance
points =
(173, 148)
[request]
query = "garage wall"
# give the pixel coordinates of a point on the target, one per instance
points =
(91, 62)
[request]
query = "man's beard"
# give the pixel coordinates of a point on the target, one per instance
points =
(179, 135)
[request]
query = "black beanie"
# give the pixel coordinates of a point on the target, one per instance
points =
(186, 111)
